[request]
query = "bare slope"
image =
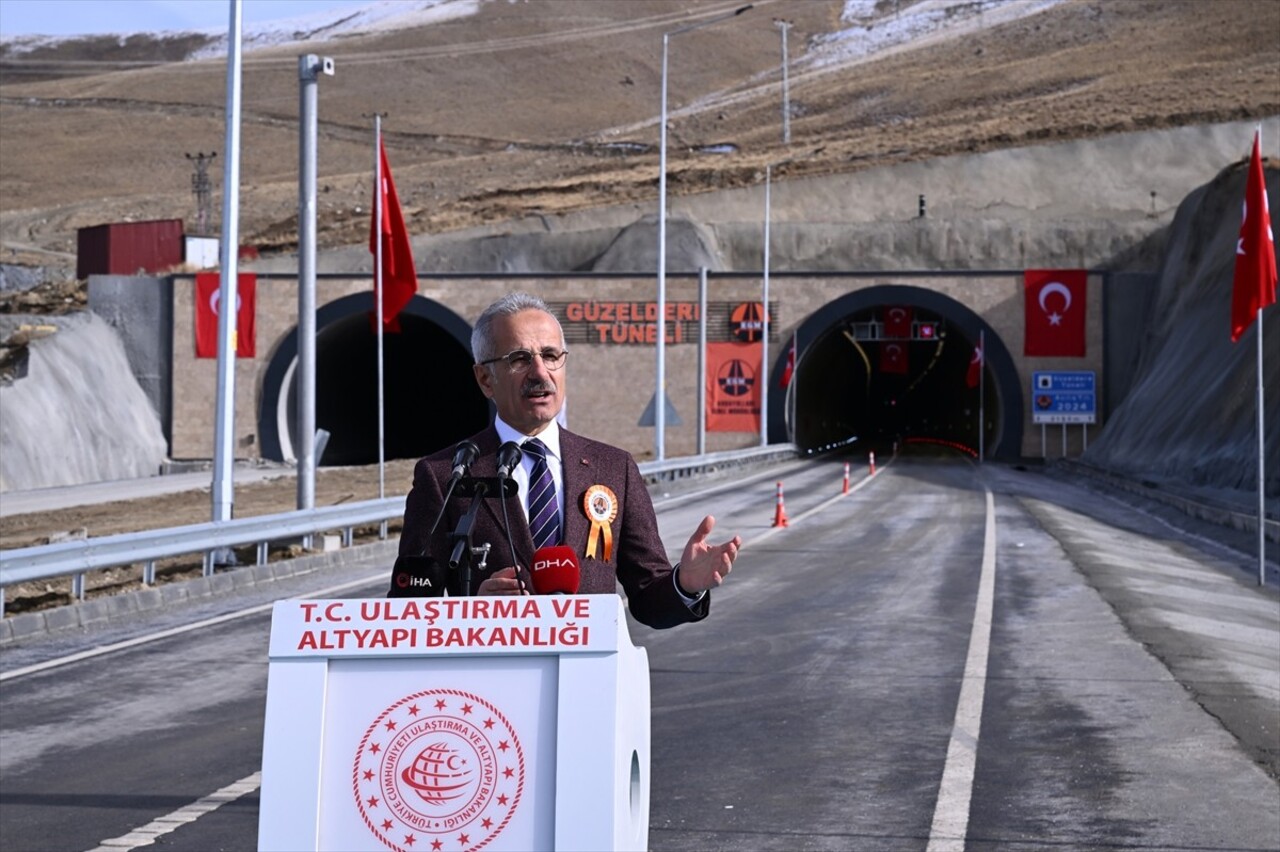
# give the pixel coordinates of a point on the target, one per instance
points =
(1191, 413)
(517, 110)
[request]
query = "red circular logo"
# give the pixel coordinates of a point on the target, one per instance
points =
(746, 322)
(439, 770)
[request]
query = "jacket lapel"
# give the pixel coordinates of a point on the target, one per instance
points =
(577, 475)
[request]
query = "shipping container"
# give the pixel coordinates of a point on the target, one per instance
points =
(127, 248)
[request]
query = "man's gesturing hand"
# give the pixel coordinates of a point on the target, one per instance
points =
(704, 566)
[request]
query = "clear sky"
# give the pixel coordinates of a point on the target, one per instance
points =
(80, 17)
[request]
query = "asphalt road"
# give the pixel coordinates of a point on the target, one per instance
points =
(944, 658)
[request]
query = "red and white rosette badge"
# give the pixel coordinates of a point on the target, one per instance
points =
(601, 506)
(439, 770)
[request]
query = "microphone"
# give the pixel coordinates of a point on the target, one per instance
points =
(556, 571)
(509, 455)
(463, 456)
(417, 577)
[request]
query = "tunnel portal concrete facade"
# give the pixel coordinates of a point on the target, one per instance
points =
(610, 328)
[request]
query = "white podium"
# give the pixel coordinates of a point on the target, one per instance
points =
(448, 724)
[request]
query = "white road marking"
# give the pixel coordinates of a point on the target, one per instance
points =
(951, 813)
(157, 828)
(175, 631)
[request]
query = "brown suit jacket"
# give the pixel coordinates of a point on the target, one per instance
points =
(638, 562)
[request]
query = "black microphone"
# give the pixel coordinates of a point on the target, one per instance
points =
(509, 455)
(463, 456)
(556, 571)
(417, 577)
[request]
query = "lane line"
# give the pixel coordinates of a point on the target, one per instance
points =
(951, 813)
(157, 828)
(176, 631)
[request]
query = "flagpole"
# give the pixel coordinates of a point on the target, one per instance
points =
(1262, 449)
(1262, 445)
(377, 296)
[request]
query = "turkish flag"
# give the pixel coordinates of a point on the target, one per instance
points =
(399, 278)
(208, 299)
(789, 369)
(897, 322)
(1055, 312)
(974, 376)
(893, 358)
(1254, 284)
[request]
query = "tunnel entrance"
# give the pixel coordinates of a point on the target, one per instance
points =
(897, 364)
(431, 400)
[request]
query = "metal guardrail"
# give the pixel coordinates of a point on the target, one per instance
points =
(76, 558)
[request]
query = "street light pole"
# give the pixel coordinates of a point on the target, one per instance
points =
(660, 394)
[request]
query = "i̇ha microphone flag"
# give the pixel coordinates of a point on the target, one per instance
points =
(399, 278)
(1254, 284)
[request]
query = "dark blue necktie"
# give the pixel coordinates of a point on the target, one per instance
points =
(544, 515)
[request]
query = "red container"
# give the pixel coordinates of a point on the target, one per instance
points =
(127, 248)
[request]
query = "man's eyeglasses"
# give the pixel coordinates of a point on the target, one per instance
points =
(520, 360)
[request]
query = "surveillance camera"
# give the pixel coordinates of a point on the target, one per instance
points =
(326, 66)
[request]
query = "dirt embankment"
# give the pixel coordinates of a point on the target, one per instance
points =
(545, 108)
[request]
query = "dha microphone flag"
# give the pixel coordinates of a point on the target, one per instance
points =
(556, 571)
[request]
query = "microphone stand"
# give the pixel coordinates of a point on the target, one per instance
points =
(479, 489)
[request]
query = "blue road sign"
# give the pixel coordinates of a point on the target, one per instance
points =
(1068, 396)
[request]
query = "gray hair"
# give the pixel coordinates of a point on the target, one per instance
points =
(508, 305)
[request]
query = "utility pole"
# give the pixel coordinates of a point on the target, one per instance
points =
(200, 188)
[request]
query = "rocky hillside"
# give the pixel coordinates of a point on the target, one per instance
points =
(1191, 413)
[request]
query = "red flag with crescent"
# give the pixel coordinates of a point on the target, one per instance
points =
(789, 368)
(1254, 283)
(399, 278)
(974, 376)
(1055, 312)
(897, 322)
(208, 299)
(893, 358)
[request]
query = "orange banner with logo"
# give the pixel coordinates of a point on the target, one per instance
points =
(733, 387)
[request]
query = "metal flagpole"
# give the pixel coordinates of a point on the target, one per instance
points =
(228, 289)
(702, 361)
(377, 292)
(1262, 448)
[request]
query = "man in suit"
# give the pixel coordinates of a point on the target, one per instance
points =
(586, 495)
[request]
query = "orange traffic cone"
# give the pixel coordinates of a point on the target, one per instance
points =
(873, 464)
(780, 514)
(846, 479)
